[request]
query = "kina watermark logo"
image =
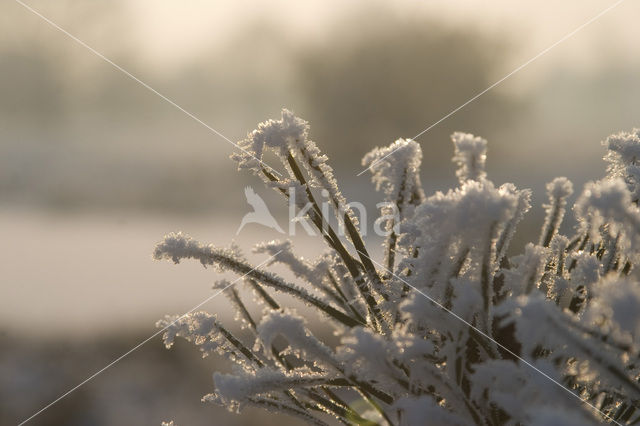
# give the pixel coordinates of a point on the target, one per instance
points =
(260, 214)
(301, 210)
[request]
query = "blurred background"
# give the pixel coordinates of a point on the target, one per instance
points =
(95, 169)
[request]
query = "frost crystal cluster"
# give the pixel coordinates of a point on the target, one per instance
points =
(447, 328)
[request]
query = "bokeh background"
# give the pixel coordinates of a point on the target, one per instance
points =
(94, 168)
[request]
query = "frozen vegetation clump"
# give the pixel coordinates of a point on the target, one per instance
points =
(447, 328)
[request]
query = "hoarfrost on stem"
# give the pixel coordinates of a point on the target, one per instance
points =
(623, 155)
(455, 327)
(470, 156)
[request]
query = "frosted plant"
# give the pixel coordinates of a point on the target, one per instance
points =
(447, 329)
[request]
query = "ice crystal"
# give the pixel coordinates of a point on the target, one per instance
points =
(470, 155)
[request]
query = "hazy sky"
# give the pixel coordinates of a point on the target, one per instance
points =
(170, 31)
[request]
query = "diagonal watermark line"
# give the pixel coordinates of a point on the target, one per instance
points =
(482, 333)
(142, 83)
(540, 54)
(136, 347)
